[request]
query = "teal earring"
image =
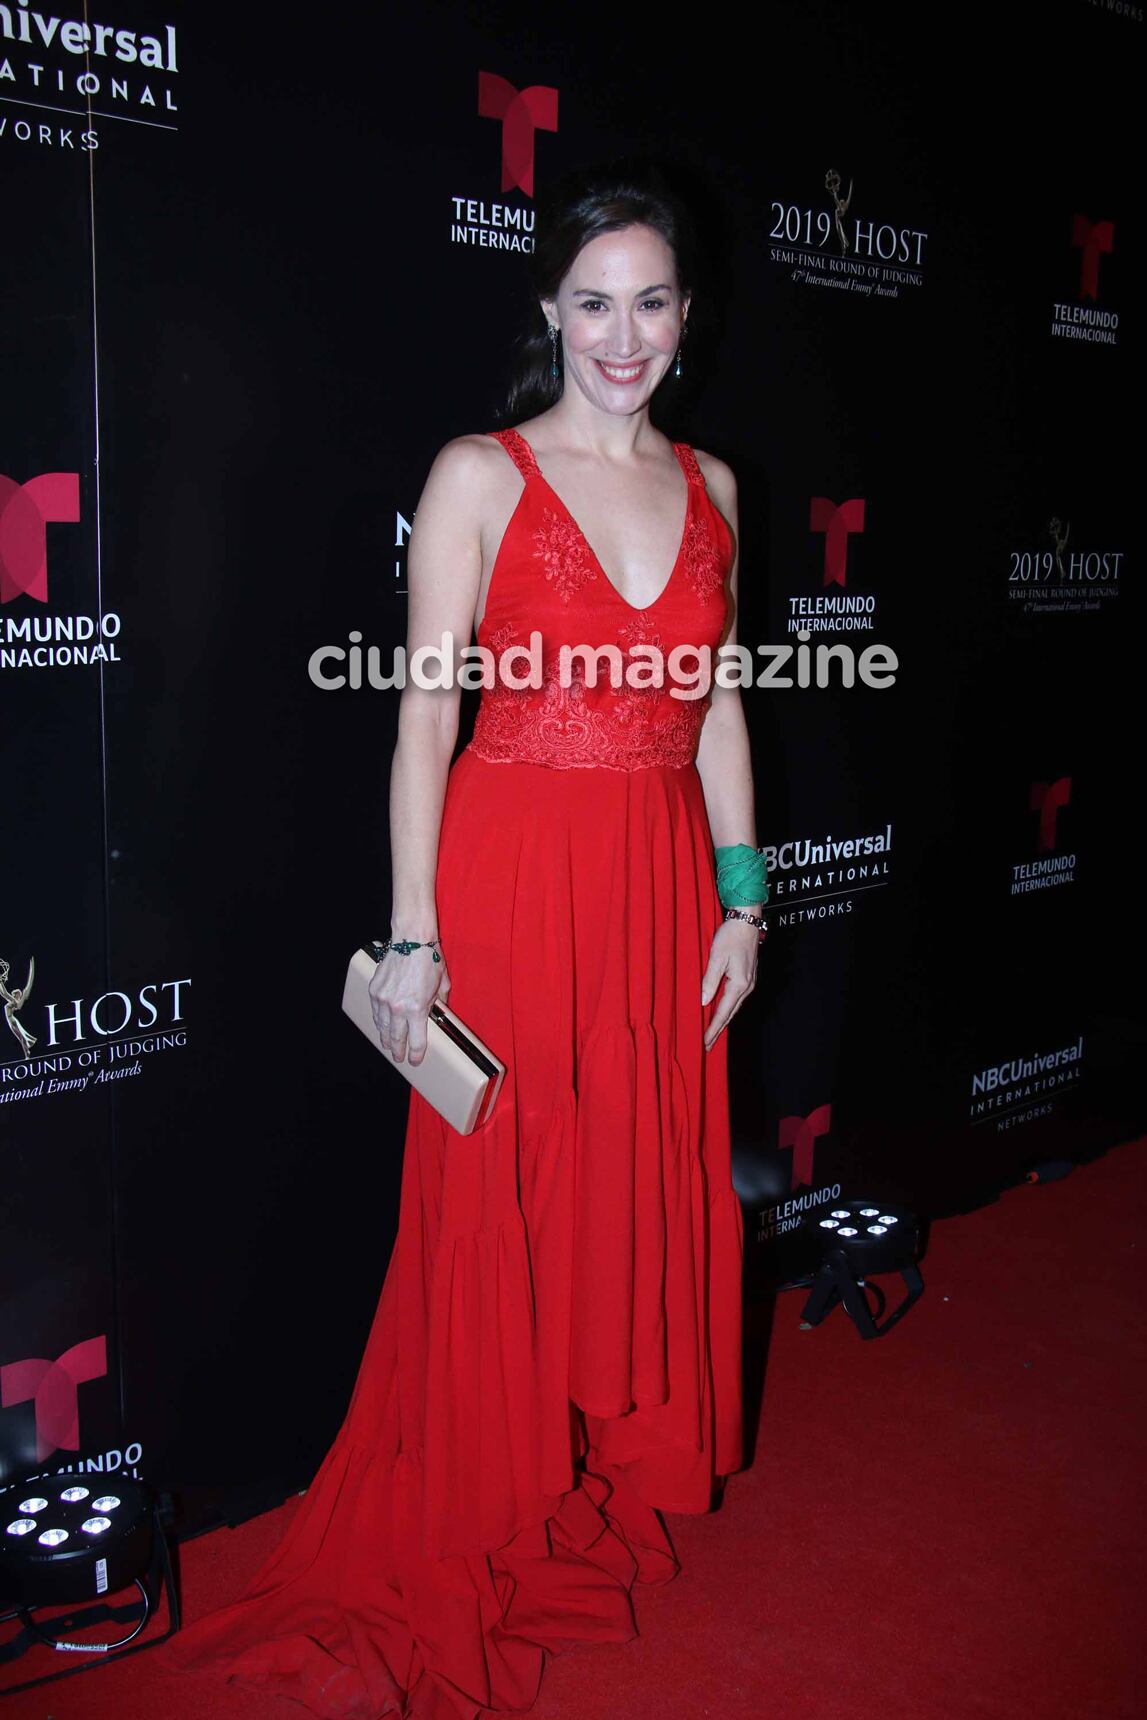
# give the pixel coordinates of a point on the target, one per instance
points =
(553, 352)
(677, 365)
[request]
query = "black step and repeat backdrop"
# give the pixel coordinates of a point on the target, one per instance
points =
(255, 269)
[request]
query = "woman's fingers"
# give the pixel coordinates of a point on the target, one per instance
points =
(721, 1019)
(399, 1035)
(734, 994)
(712, 978)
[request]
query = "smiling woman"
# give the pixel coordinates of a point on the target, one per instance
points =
(555, 1360)
(581, 210)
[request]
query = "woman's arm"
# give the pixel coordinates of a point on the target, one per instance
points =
(725, 768)
(444, 571)
(723, 756)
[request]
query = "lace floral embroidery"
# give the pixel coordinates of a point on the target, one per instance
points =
(519, 451)
(639, 667)
(622, 726)
(702, 563)
(563, 550)
(578, 727)
(689, 464)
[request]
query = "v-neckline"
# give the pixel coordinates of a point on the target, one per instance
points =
(635, 609)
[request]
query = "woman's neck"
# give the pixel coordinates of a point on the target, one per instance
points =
(606, 435)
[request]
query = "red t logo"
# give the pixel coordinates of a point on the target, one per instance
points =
(54, 1386)
(1094, 239)
(25, 510)
(801, 1134)
(522, 113)
(1046, 799)
(836, 523)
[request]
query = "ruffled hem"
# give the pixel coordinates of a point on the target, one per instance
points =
(428, 1639)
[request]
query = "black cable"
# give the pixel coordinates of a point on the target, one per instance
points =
(41, 1635)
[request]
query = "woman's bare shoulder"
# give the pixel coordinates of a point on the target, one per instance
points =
(467, 473)
(469, 460)
(719, 478)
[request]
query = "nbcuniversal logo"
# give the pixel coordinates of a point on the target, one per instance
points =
(49, 62)
(821, 876)
(1014, 1091)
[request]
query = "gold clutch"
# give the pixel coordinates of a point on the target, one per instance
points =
(459, 1075)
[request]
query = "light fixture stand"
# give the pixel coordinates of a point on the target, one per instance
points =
(860, 1239)
(154, 1582)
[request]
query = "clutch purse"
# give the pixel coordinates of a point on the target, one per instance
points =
(459, 1075)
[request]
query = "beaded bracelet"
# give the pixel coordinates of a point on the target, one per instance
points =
(757, 920)
(404, 947)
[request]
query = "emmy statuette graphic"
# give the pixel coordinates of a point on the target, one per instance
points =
(1059, 534)
(840, 205)
(14, 1001)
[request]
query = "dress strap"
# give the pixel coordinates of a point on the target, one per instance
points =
(689, 463)
(519, 451)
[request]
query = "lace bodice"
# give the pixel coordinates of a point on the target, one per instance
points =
(547, 578)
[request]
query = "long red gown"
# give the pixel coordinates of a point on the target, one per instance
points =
(555, 1359)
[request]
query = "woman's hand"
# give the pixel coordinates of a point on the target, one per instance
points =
(401, 992)
(733, 957)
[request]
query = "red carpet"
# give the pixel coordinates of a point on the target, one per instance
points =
(947, 1522)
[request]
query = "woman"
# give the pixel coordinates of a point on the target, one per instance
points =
(556, 1355)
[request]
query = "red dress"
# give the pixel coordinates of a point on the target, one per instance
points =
(556, 1353)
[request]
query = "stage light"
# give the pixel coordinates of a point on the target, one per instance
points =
(62, 1548)
(61, 1564)
(859, 1241)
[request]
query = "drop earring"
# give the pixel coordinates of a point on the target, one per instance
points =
(553, 352)
(677, 365)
